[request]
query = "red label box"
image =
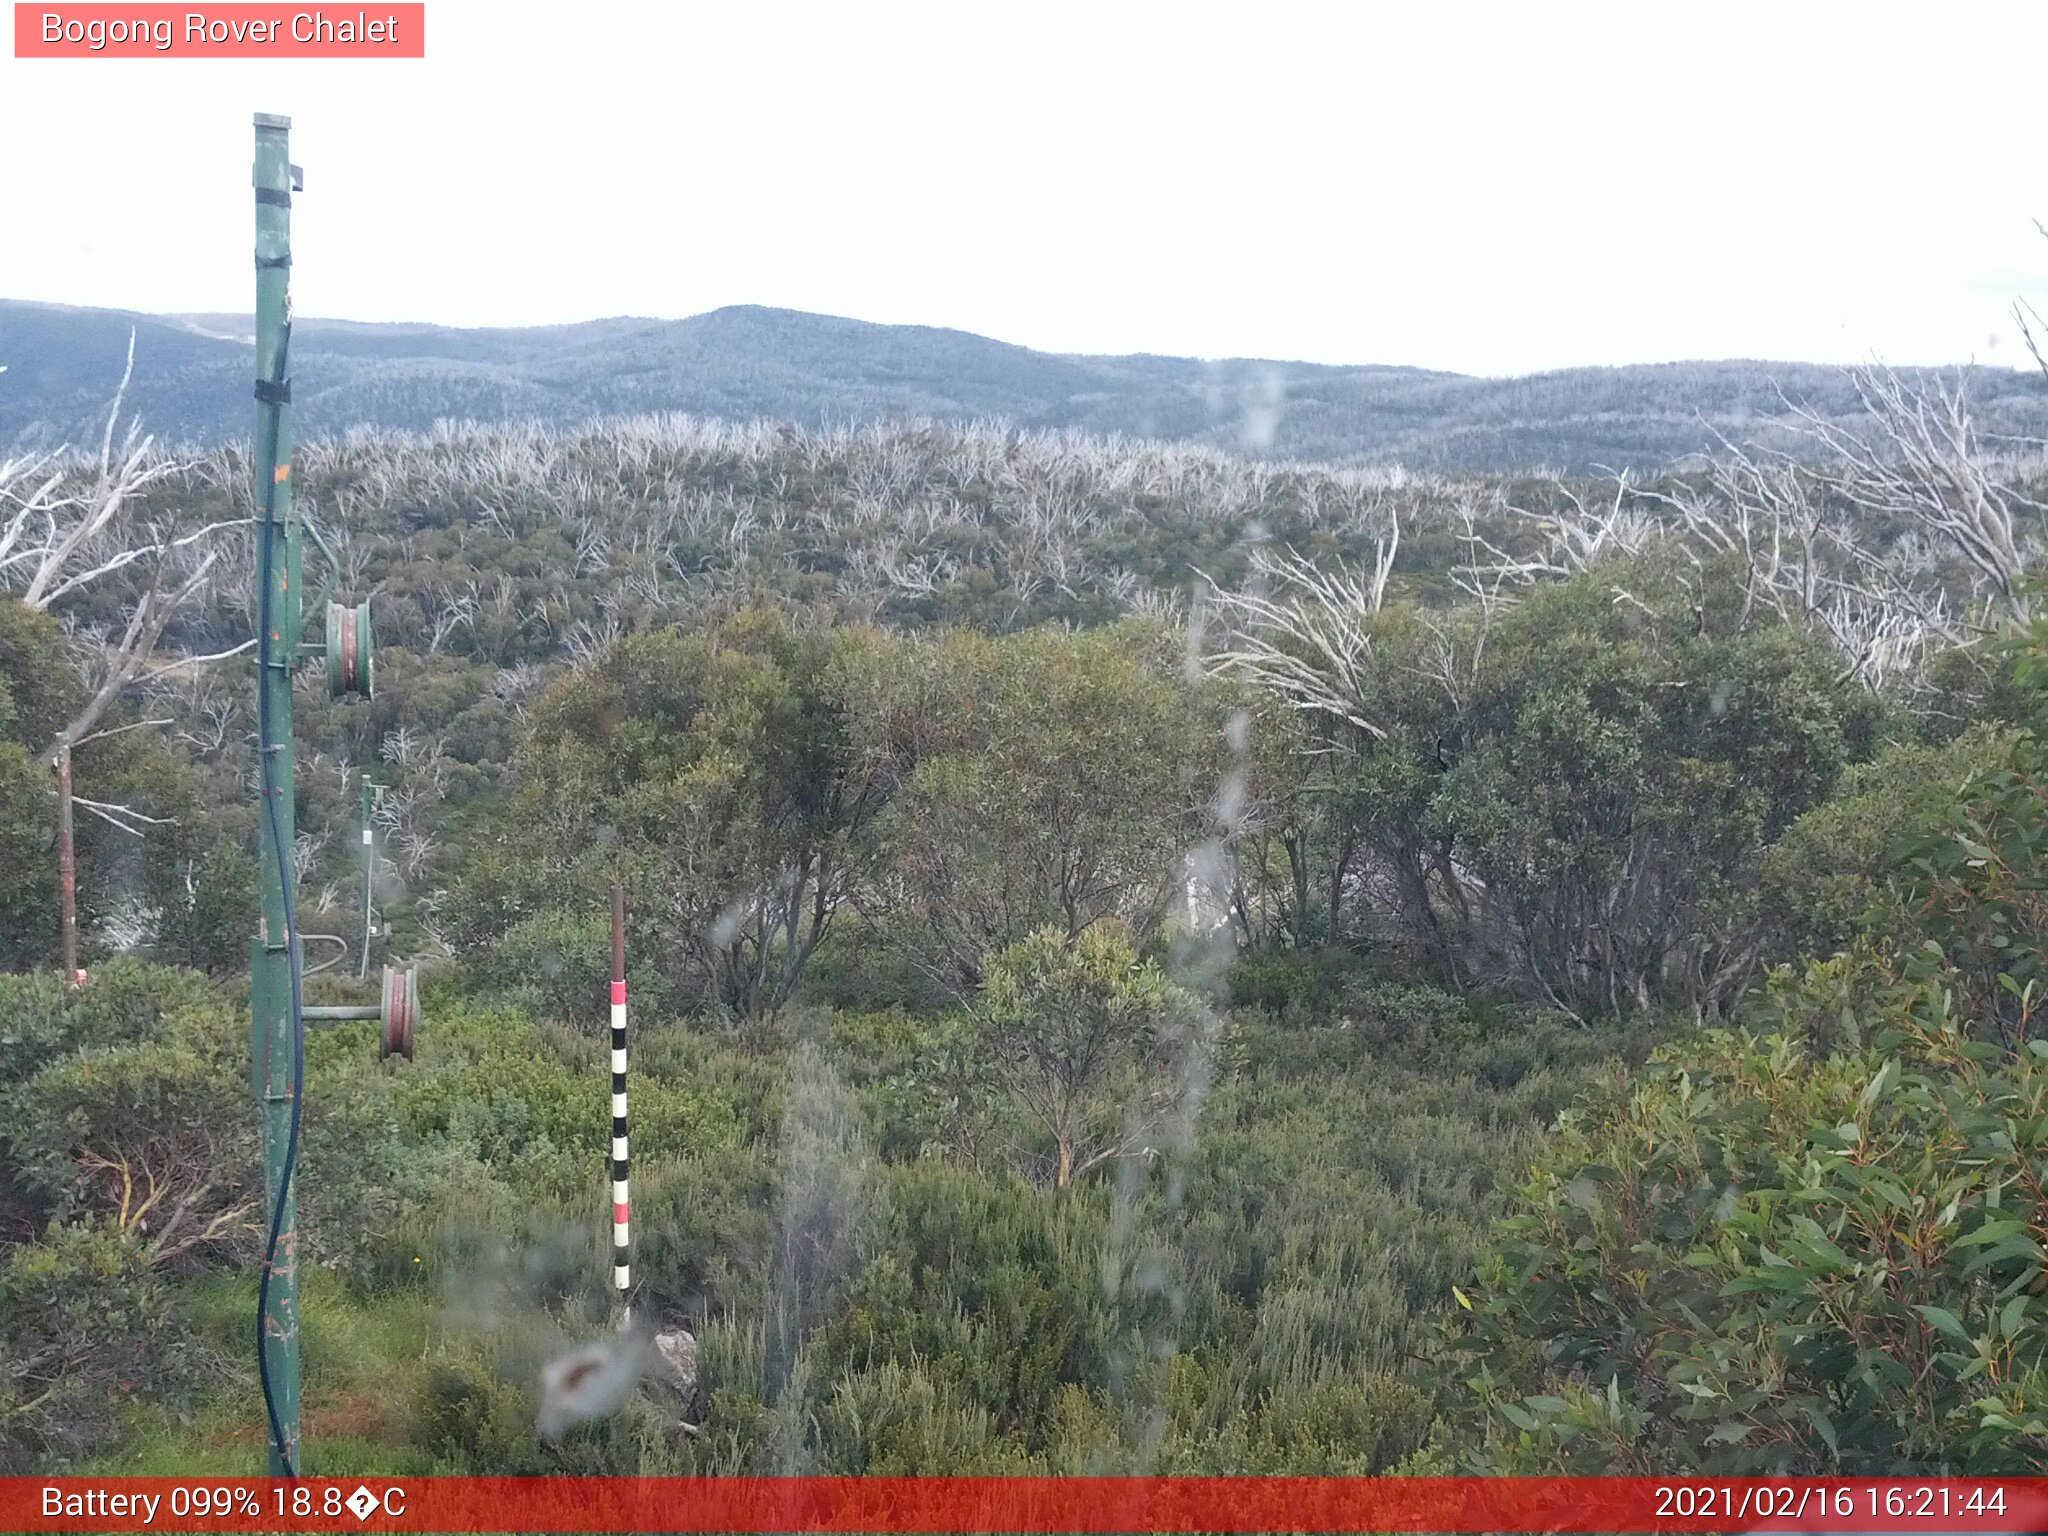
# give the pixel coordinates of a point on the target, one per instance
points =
(231, 31)
(934, 1506)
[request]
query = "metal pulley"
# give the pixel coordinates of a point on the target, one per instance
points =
(348, 650)
(400, 1010)
(397, 1011)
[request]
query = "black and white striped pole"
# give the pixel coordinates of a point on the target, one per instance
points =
(622, 1269)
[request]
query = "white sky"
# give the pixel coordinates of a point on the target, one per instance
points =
(1488, 188)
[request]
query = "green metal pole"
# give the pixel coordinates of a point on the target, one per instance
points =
(369, 881)
(274, 1024)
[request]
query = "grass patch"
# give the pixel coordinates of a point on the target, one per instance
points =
(361, 1360)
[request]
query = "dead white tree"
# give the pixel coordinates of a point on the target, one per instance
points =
(1303, 633)
(2031, 325)
(1864, 538)
(1571, 539)
(586, 641)
(1804, 556)
(513, 686)
(70, 525)
(1924, 465)
(451, 610)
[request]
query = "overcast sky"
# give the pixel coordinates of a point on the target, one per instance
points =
(1492, 189)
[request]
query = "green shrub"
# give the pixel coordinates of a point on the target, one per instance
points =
(899, 1419)
(140, 1111)
(1974, 891)
(508, 1103)
(1303, 985)
(1269, 981)
(471, 1421)
(1339, 1424)
(208, 920)
(88, 1325)
(42, 1018)
(365, 1175)
(558, 965)
(1095, 1045)
(1759, 1260)
(156, 1136)
(1828, 878)
(1415, 1018)
(705, 1228)
(476, 1410)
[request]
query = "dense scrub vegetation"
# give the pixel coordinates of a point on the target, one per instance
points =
(1141, 961)
(1815, 1240)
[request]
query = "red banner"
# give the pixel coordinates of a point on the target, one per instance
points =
(1050, 1504)
(228, 31)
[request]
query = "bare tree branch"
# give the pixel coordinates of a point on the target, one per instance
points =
(122, 816)
(1312, 645)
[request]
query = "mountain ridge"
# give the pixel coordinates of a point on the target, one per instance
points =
(746, 361)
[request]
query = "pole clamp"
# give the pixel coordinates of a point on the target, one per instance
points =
(274, 197)
(279, 393)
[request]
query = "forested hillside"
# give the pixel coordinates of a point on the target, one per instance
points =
(818, 370)
(1144, 958)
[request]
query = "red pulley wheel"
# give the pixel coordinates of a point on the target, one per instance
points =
(401, 1010)
(349, 674)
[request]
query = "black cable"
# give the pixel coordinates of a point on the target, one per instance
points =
(268, 769)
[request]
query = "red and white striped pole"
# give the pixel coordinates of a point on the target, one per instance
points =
(621, 1252)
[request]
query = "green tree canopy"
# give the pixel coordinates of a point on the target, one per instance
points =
(1042, 779)
(1095, 1043)
(714, 772)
